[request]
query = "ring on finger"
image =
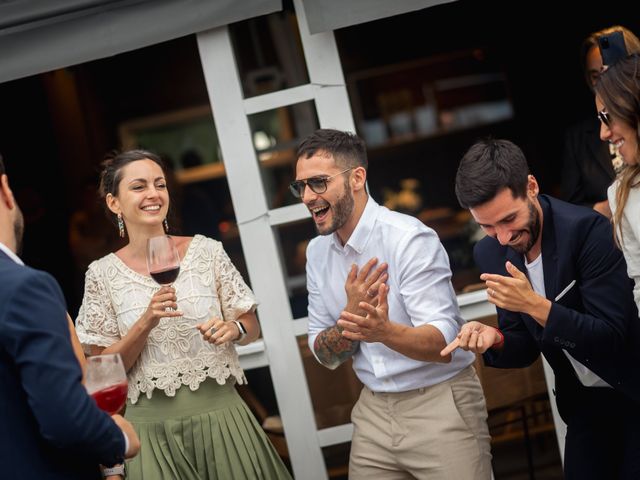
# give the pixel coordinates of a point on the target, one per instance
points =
(370, 293)
(213, 330)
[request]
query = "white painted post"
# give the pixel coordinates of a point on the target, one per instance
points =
(261, 254)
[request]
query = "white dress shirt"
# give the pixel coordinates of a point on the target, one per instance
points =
(10, 254)
(420, 293)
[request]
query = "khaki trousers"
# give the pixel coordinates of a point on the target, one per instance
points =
(437, 432)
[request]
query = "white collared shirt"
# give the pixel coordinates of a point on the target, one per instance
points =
(10, 254)
(420, 293)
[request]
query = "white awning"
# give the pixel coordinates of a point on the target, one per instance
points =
(41, 35)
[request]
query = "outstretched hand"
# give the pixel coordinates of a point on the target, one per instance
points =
(475, 337)
(374, 325)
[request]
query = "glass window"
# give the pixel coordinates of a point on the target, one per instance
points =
(269, 52)
(276, 135)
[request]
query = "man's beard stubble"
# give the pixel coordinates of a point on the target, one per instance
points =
(533, 227)
(342, 210)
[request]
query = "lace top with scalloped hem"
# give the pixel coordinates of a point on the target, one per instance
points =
(175, 354)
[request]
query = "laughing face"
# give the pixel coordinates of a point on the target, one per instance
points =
(331, 209)
(142, 197)
(514, 222)
(618, 133)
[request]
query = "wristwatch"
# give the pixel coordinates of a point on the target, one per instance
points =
(115, 470)
(241, 329)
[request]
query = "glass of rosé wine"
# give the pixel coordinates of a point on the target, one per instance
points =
(106, 381)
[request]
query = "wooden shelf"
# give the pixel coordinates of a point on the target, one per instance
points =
(399, 104)
(211, 171)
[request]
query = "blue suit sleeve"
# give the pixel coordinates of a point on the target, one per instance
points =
(36, 336)
(520, 349)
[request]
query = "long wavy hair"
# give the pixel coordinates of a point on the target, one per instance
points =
(619, 89)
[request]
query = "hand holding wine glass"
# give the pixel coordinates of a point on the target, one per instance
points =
(106, 382)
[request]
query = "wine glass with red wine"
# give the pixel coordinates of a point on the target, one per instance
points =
(106, 382)
(163, 260)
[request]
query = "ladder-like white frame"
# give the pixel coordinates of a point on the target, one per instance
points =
(256, 222)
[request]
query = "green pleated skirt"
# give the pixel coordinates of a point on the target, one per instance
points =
(209, 434)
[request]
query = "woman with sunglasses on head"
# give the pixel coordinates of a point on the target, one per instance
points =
(590, 165)
(177, 342)
(618, 107)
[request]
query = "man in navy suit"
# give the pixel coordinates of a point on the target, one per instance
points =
(49, 426)
(561, 288)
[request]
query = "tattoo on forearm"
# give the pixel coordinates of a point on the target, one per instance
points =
(332, 348)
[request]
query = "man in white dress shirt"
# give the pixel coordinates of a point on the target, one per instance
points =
(418, 412)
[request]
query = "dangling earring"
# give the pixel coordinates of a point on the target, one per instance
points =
(120, 226)
(166, 225)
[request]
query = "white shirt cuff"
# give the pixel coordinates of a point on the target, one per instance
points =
(449, 332)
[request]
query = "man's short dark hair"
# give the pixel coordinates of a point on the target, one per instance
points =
(488, 167)
(2, 171)
(348, 150)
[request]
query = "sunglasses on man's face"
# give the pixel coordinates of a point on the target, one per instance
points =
(316, 184)
(604, 117)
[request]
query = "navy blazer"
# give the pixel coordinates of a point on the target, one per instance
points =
(595, 320)
(49, 427)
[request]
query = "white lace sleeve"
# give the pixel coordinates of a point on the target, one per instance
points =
(96, 323)
(235, 296)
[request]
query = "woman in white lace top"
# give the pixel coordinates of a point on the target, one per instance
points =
(618, 106)
(181, 361)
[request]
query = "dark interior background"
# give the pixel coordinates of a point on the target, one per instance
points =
(56, 127)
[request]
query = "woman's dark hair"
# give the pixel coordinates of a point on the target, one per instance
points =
(488, 167)
(113, 164)
(348, 150)
(619, 89)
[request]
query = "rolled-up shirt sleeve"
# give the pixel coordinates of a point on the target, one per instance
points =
(425, 283)
(319, 317)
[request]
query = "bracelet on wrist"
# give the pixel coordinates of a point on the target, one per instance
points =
(500, 342)
(241, 330)
(115, 470)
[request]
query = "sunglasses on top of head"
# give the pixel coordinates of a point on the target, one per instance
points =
(316, 184)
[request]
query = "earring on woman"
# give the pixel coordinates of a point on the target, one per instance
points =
(120, 226)
(166, 225)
